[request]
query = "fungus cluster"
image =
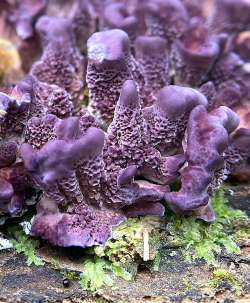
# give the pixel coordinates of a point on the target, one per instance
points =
(126, 99)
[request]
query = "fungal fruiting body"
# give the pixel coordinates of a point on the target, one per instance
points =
(126, 100)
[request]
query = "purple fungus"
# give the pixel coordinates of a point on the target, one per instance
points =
(207, 139)
(25, 15)
(231, 16)
(70, 218)
(14, 109)
(126, 128)
(230, 77)
(6, 191)
(227, 68)
(84, 22)
(195, 51)
(116, 16)
(53, 166)
(145, 209)
(208, 89)
(153, 60)
(39, 131)
(127, 141)
(6, 194)
(52, 29)
(86, 120)
(82, 228)
(166, 119)
(13, 183)
(108, 68)
(166, 19)
(237, 154)
(50, 99)
(61, 63)
(8, 153)
(57, 158)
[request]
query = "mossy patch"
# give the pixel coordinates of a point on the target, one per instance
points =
(142, 240)
(22, 243)
(205, 241)
(221, 275)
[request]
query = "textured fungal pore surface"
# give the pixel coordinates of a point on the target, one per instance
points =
(108, 68)
(61, 63)
(166, 119)
(118, 109)
(153, 60)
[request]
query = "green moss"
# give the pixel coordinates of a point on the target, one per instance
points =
(95, 275)
(142, 239)
(22, 243)
(202, 240)
(123, 253)
(221, 275)
(70, 275)
(126, 248)
(55, 264)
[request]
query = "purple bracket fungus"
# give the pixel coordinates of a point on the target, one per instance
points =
(84, 22)
(166, 119)
(237, 155)
(57, 158)
(14, 109)
(61, 63)
(31, 98)
(153, 61)
(226, 68)
(207, 139)
(127, 141)
(13, 183)
(86, 120)
(66, 218)
(39, 131)
(231, 16)
(8, 152)
(208, 89)
(195, 54)
(25, 15)
(69, 218)
(81, 186)
(116, 16)
(155, 133)
(108, 68)
(231, 79)
(82, 228)
(50, 99)
(54, 29)
(166, 19)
